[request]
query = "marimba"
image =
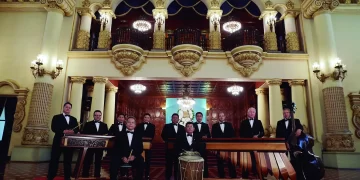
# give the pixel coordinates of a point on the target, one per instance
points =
(269, 154)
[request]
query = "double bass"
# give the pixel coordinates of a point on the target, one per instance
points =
(307, 165)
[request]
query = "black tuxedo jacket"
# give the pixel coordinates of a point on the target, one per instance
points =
(90, 128)
(169, 131)
(122, 148)
(246, 131)
(283, 132)
(182, 144)
(59, 124)
(149, 132)
(204, 131)
(228, 131)
(114, 129)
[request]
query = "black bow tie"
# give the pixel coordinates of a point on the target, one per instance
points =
(189, 135)
(287, 119)
(132, 132)
(120, 123)
(221, 123)
(175, 124)
(67, 115)
(251, 119)
(97, 121)
(198, 123)
(146, 123)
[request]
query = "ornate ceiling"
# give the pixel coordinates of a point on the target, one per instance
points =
(176, 88)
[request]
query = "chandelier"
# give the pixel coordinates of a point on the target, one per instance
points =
(138, 88)
(232, 26)
(186, 101)
(235, 90)
(142, 25)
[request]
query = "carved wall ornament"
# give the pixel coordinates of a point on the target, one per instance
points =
(339, 142)
(160, 4)
(215, 4)
(215, 40)
(271, 132)
(83, 40)
(269, 4)
(104, 40)
(246, 59)
(355, 106)
(21, 94)
(159, 40)
(65, 7)
(290, 5)
(35, 136)
(128, 58)
(312, 7)
(270, 41)
(85, 3)
(106, 3)
(292, 42)
(187, 58)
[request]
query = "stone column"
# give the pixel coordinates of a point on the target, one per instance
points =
(105, 30)
(292, 38)
(109, 112)
(37, 128)
(298, 96)
(214, 16)
(83, 35)
(76, 96)
(159, 14)
(338, 136)
(275, 104)
(268, 17)
(263, 108)
(98, 98)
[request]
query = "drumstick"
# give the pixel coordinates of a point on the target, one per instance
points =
(130, 153)
(77, 126)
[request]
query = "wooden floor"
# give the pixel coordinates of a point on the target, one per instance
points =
(38, 171)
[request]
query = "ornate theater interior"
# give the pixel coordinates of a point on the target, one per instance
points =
(135, 57)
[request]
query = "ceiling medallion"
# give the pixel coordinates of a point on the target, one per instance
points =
(232, 26)
(187, 58)
(245, 59)
(235, 90)
(142, 25)
(128, 58)
(138, 88)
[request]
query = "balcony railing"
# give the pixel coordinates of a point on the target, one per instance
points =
(186, 36)
(127, 35)
(248, 36)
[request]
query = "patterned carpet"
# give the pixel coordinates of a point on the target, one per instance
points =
(29, 171)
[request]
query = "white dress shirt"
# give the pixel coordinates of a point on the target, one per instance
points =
(130, 136)
(97, 124)
(189, 139)
(67, 118)
(251, 122)
(222, 127)
(199, 126)
(176, 127)
(286, 123)
(120, 127)
(145, 126)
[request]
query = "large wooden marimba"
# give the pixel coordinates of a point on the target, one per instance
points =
(270, 156)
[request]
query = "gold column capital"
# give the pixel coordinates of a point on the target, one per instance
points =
(84, 11)
(160, 4)
(77, 79)
(311, 8)
(212, 12)
(107, 11)
(160, 12)
(261, 91)
(214, 4)
(295, 82)
(274, 82)
(65, 7)
(100, 80)
(112, 89)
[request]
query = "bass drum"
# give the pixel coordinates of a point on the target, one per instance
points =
(191, 167)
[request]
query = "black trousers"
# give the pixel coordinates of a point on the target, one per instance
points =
(171, 162)
(221, 171)
(54, 162)
(206, 168)
(147, 162)
(245, 174)
(89, 159)
(137, 165)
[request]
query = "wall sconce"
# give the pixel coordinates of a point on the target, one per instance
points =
(104, 21)
(271, 22)
(38, 70)
(159, 20)
(215, 19)
(338, 73)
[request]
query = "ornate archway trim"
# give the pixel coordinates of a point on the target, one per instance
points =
(21, 94)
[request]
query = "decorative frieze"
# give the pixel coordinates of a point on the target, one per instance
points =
(313, 7)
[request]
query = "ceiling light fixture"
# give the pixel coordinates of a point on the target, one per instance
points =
(235, 90)
(138, 88)
(232, 26)
(142, 25)
(186, 101)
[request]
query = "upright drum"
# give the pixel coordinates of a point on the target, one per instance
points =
(191, 166)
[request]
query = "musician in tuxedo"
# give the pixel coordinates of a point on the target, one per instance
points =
(251, 128)
(118, 126)
(202, 129)
(191, 141)
(61, 125)
(147, 130)
(223, 129)
(172, 130)
(284, 126)
(128, 147)
(95, 127)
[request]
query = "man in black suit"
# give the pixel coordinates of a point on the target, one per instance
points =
(284, 126)
(190, 141)
(128, 148)
(62, 124)
(95, 127)
(147, 130)
(118, 126)
(172, 130)
(202, 129)
(251, 128)
(223, 129)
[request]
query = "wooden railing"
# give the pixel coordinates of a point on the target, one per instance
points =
(248, 36)
(186, 36)
(127, 35)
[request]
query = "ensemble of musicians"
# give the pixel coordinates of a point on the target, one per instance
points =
(128, 145)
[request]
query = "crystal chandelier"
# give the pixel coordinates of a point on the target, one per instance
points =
(142, 25)
(186, 101)
(138, 88)
(235, 90)
(232, 26)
